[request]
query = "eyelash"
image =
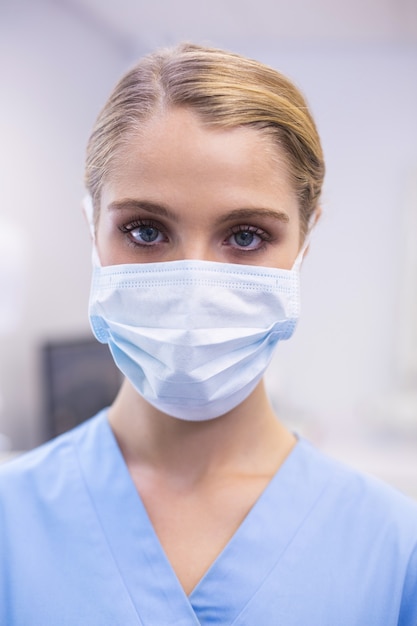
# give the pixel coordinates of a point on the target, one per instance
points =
(131, 226)
(254, 230)
(234, 230)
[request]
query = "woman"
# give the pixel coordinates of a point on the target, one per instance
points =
(188, 501)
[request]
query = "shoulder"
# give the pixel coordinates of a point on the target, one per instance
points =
(52, 463)
(364, 529)
(360, 506)
(355, 487)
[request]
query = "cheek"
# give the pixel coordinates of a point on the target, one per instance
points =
(287, 255)
(287, 258)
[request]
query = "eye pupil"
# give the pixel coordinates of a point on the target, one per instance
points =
(244, 238)
(148, 233)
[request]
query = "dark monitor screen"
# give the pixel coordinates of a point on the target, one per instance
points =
(80, 378)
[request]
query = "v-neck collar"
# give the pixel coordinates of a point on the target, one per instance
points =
(261, 540)
(240, 569)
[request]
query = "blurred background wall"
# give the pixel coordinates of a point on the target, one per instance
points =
(352, 363)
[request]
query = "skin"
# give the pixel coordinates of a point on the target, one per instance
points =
(183, 190)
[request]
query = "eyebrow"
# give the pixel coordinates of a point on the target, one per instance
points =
(247, 214)
(163, 211)
(144, 205)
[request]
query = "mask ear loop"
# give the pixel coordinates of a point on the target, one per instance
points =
(88, 209)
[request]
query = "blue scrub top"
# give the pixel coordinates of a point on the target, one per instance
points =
(323, 545)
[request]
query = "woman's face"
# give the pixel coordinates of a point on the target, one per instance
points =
(182, 190)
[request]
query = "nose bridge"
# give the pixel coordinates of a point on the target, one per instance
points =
(196, 253)
(196, 245)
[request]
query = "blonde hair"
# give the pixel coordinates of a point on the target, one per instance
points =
(225, 90)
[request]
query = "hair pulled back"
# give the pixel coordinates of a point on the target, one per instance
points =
(225, 90)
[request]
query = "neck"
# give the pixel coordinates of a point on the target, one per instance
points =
(248, 439)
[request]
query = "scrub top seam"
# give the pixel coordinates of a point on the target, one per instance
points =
(407, 569)
(283, 552)
(91, 498)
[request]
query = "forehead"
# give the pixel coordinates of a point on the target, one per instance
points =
(178, 140)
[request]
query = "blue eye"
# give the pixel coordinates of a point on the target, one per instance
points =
(244, 238)
(147, 234)
(248, 238)
(144, 233)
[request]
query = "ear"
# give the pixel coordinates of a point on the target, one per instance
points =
(315, 217)
(88, 212)
(312, 224)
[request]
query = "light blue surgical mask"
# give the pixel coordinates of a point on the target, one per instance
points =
(193, 337)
